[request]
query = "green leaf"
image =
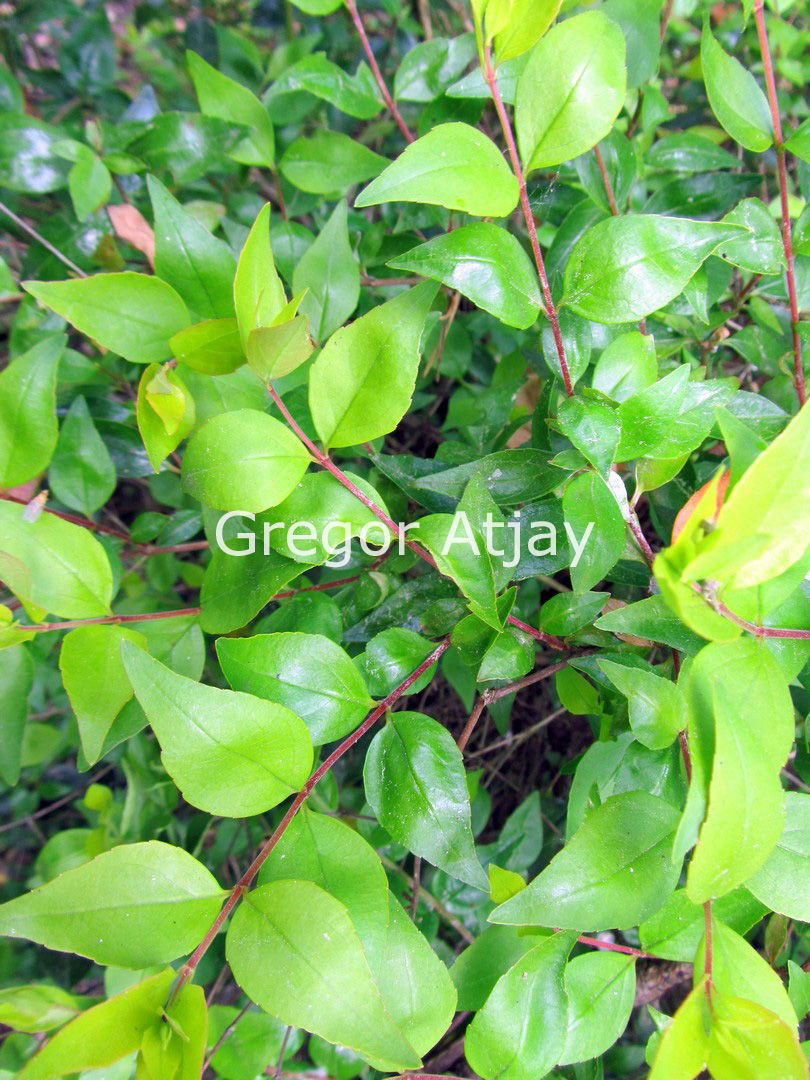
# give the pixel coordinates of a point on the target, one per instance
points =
(482, 963)
(243, 460)
(275, 351)
(461, 554)
(53, 564)
(361, 382)
(307, 673)
(257, 290)
(229, 753)
(640, 24)
(38, 1008)
(115, 908)
(415, 782)
(455, 166)
(799, 141)
(431, 66)
(104, 1034)
(357, 95)
(738, 689)
(738, 970)
(601, 988)
(81, 473)
(484, 263)
(162, 389)
(89, 184)
(652, 619)
(213, 347)
(332, 855)
(520, 1033)
(783, 883)
(198, 265)
(767, 503)
(132, 315)
(675, 931)
(684, 1048)
(595, 518)
(628, 267)
(330, 275)
(748, 1040)
(226, 99)
(761, 252)
(391, 656)
(657, 706)
(593, 428)
(175, 1044)
(95, 680)
(28, 425)
(735, 96)
(567, 612)
(627, 366)
(647, 417)
(615, 871)
(571, 90)
(329, 161)
(17, 678)
(294, 950)
(528, 21)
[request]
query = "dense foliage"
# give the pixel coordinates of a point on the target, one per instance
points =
(520, 789)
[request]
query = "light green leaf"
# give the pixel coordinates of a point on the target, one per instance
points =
(213, 347)
(484, 263)
(132, 315)
(243, 460)
(257, 290)
(104, 1034)
(28, 425)
(627, 267)
(330, 276)
(17, 679)
(294, 950)
(740, 685)
(53, 564)
(520, 1033)
(198, 265)
(81, 473)
(361, 382)
(415, 782)
(329, 161)
(461, 554)
(226, 99)
(657, 706)
(528, 21)
(455, 166)
(627, 366)
(768, 502)
(594, 516)
(175, 1044)
(162, 388)
(307, 673)
(750, 1042)
(229, 753)
(683, 1052)
(675, 931)
(615, 871)
(115, 908)
(89, 184)
(783, 883)
(482, 963)
(571, 90)
(35, 1008)
(601, 988)
(738, 970)
(735, 96)
(593, 428)
(95, 680)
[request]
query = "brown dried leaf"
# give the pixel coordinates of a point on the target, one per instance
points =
(132, 226)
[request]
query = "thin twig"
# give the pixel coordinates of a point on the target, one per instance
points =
(41, 240)
(600, 161)
(430, 900)
(375, 67)
(787, 238)
(551, 310)
(226, 1034)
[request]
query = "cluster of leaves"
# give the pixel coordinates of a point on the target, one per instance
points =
(540, 261)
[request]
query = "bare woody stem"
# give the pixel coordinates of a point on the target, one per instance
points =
(378, 75)
(32, 232)
(600, 161)
(249, 875)
(551, 310)
(787, 239)
(327, 463)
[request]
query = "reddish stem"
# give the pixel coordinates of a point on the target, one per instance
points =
(611, 947)
(327, 463)
(375, 67)
(600, 161)
(641, 539)
(761, 631)
(249, 875)
(551, 310)
(149, 617)
(787, 238)
(666, 18)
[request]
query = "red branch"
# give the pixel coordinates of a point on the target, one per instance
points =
(787, 239)
(600, 161)
(249, 875)
(375, 67)
(551, 310)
